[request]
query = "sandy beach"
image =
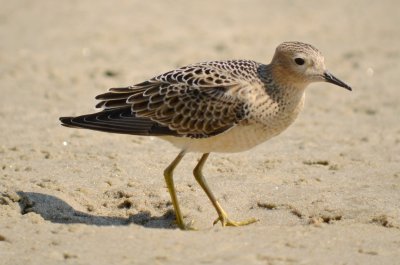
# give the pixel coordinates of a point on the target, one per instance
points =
(326, 191)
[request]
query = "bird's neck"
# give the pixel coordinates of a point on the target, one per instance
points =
(280, 86)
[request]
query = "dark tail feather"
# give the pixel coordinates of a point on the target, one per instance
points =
(120, 120)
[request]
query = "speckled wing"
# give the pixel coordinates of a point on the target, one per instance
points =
(196, 101)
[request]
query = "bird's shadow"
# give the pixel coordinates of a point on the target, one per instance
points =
(56, 210)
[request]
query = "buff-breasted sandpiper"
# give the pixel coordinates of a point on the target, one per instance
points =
(219, 106)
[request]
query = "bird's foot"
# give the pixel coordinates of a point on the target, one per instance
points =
(186, 226)
(225, 221)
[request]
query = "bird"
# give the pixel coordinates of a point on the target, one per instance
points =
(216, 106)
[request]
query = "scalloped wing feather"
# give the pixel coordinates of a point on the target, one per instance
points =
(198, 100)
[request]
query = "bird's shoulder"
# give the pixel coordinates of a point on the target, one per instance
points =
(212, 73)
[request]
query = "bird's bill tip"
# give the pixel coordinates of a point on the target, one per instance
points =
(330, 78)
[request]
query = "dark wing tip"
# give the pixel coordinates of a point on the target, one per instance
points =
(118, 120)
(66, 121)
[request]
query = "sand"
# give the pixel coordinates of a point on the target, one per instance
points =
(326, 191)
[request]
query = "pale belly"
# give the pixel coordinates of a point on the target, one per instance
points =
(237, 139)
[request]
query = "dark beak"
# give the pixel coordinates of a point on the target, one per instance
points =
(332, 79)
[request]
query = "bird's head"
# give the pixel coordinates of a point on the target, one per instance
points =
(301, 64)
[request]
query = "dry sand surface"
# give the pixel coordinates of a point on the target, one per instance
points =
(326, 191)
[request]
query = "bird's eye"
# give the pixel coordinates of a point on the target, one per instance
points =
(299, 61)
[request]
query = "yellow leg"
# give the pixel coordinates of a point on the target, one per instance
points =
(222, 216)
(168, 175)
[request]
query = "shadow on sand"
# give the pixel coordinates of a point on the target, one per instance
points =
(56, 210)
